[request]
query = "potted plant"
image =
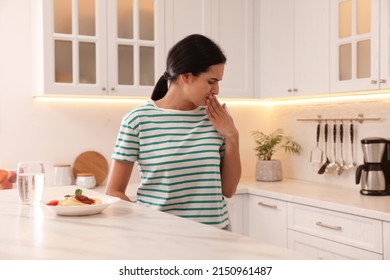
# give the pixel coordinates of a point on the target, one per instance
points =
(268, 169)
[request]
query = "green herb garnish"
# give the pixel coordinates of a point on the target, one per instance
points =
(78, 192)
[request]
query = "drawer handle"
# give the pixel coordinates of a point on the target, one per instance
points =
(267, 205)
(321, 224)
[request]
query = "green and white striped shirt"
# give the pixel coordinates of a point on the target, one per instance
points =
(179, 155)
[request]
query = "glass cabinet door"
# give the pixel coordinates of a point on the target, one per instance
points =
(355, 40)
(94, 47)
(132, 46)
(79, 52)
(355, 45)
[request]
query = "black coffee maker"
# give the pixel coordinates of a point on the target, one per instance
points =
(374, 174)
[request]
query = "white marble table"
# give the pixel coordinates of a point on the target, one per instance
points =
(122, 231)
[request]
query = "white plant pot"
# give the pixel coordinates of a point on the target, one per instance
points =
(269, 170)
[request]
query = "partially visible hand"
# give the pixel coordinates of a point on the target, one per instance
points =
(220, 118)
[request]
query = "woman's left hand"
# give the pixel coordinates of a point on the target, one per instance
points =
(230, 163)
(220, 118)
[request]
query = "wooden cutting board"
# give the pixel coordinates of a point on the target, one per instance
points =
(91, 162)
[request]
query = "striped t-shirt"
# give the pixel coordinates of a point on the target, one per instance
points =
(179, 155)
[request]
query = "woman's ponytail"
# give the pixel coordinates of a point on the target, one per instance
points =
(160, 89)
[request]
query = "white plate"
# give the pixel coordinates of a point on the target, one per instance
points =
(82, 210)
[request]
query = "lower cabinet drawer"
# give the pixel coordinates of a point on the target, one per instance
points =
(320, 248)
(356, 231)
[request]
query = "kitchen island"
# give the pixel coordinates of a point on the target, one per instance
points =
(122, 231)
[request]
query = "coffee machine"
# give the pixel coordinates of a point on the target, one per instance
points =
(374, 174)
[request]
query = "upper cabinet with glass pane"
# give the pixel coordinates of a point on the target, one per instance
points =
(360, 45)
(95, 47)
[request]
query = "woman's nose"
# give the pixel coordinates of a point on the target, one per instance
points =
(215, 89)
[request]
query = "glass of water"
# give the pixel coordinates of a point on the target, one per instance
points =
(30, 182)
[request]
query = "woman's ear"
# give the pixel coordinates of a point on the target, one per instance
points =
(186, 77)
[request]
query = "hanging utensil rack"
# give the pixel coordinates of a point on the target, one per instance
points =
(359, 118)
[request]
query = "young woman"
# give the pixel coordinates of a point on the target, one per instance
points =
(184, 140)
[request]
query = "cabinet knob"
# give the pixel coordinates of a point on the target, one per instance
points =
(374, 82)
(112, 89)
(295, 90)
(382, 81)
(103, 89)
(289, 90)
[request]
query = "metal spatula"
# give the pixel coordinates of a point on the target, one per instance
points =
(326, 163)
(316, 154)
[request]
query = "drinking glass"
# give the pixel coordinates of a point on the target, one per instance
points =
(30, 182)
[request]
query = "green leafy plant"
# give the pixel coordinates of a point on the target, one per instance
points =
(268, 144)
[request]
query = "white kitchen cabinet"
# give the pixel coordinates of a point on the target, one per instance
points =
(98, 47)
(268, 220)
(238, 213)
(293, 38)
(386, 240)
(333, 235)
(230, 24)
(320, 248)
(360, 51)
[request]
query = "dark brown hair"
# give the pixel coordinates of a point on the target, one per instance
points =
(193, 54)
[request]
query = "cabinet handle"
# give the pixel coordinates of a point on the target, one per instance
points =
(295, 90)
(374, 82)
(267, 205)
(289, 90)
(112, 89)
(321, 224)
(382, 81)
(103, 89)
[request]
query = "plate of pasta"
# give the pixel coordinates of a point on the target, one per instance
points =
(78, 204)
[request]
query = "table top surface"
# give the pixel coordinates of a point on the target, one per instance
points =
(122, 231)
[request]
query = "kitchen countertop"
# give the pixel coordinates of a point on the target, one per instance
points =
(122, 231)
(335, 198)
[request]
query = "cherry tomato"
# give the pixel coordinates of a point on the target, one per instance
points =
(52, 203)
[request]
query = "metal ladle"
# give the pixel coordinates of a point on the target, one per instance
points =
(343, 165)
(352, 164)
(334, 166)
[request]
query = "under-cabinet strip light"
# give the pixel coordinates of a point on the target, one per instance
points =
(350, 97)
(88, 99)
(103, 99)
(339, 98)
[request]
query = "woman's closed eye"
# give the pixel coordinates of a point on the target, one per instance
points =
(213, 81)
